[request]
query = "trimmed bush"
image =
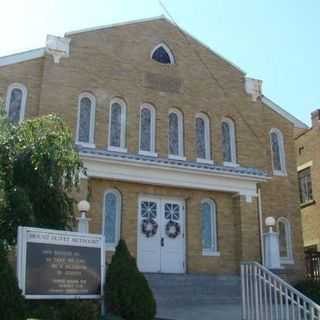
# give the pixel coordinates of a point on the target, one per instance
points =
(310, 288)
(127, 292)
(12, 305)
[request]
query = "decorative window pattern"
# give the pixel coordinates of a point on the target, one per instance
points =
(149, 209)
(203, 137)
(86, 118)
(16, 102)
(277, 151)
(305, 185)
(172, 211)
(175, 134)
(112, 218)
(285, 244)
(117, 125)
(147, 129)
(228, 142)
(209, 227)
(162, 54)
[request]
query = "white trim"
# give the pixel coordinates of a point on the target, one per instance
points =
(211, 253)
(24, 90)
(296, 122)
(207, 136)
(304, 166)
(174, 157)
(22, 57)
(214, 228)
(287, 226)
(180, 155)
(283, 171)
(112, 246)
(233, 142)
(204, 161)
(92, 99)
(123, 124)
(167, 175)
(151, 108)
(147, 153)
(167, 49)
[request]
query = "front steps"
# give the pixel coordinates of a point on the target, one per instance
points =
(196, 296)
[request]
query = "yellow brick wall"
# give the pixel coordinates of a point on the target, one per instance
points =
(115, 62)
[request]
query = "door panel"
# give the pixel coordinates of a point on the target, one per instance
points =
(164, 250)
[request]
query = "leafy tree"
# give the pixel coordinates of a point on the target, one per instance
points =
(38, 168)
(11, 301)
(127, 292)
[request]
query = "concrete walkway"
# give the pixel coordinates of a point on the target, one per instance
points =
(213, 312)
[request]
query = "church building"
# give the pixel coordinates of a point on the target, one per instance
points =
(185, 156)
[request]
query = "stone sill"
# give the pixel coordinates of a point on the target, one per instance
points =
(307, 204)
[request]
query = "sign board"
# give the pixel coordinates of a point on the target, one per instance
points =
(54, 264)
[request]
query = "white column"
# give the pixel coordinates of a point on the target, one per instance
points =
(271, 246)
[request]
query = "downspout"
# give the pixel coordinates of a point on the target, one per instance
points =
(260, 216)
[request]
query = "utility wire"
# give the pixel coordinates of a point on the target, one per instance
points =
(211, 74)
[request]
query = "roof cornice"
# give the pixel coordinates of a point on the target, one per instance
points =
(22, 57)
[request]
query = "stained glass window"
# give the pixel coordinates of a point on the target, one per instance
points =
(145, 130)
(201, 138)
(209, 232)
(84, 120)
(149, 209)
(111, 217)
(115, 129)
(172, 211)
(161, 55)
(15, 105)
(305, 185)
(226, 142)
(284, 231)
(276, 157)
(174, 141)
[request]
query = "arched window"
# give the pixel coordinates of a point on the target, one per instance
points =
(86, 119)
(16, 102)
(147, 130)
(277, 151)
(203, 138)
(111, 218)
(209, 227)
(162, 54)
(229, 142)
(117, 126)
(285, 243)
(175, 135)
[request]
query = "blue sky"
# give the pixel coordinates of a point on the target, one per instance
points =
(276, 41)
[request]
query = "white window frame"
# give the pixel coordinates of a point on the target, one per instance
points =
(24, 90)
(151, 152)
(207, 137)
(112, 246)
(233, 142)
(92, 98)
(283, 171)
(123, 128)
(167, 49)
(180, 155)
(289, 258)
(213, 251)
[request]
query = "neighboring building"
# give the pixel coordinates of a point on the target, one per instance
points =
(185, 156)
(308, 161)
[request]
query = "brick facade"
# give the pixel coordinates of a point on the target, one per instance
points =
(115, 62)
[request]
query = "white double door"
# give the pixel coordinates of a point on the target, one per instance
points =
(161, 235)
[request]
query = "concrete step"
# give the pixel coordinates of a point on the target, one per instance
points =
(179, 296)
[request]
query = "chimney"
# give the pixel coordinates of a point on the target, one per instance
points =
(315, 118)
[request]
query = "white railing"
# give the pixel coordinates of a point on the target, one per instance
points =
(265, 296)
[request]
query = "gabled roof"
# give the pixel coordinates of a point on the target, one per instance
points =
(22, 56)
(296, 122)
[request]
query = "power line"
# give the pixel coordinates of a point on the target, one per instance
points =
(211, 74)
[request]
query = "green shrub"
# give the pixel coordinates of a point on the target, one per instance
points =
(66, 310)
(310, 288)
(127, 292)
(11, 301)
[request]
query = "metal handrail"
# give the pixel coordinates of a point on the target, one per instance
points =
(265, 296)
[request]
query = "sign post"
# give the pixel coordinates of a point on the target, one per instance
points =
(55, 264)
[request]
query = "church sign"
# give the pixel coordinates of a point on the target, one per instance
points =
(53, 264)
